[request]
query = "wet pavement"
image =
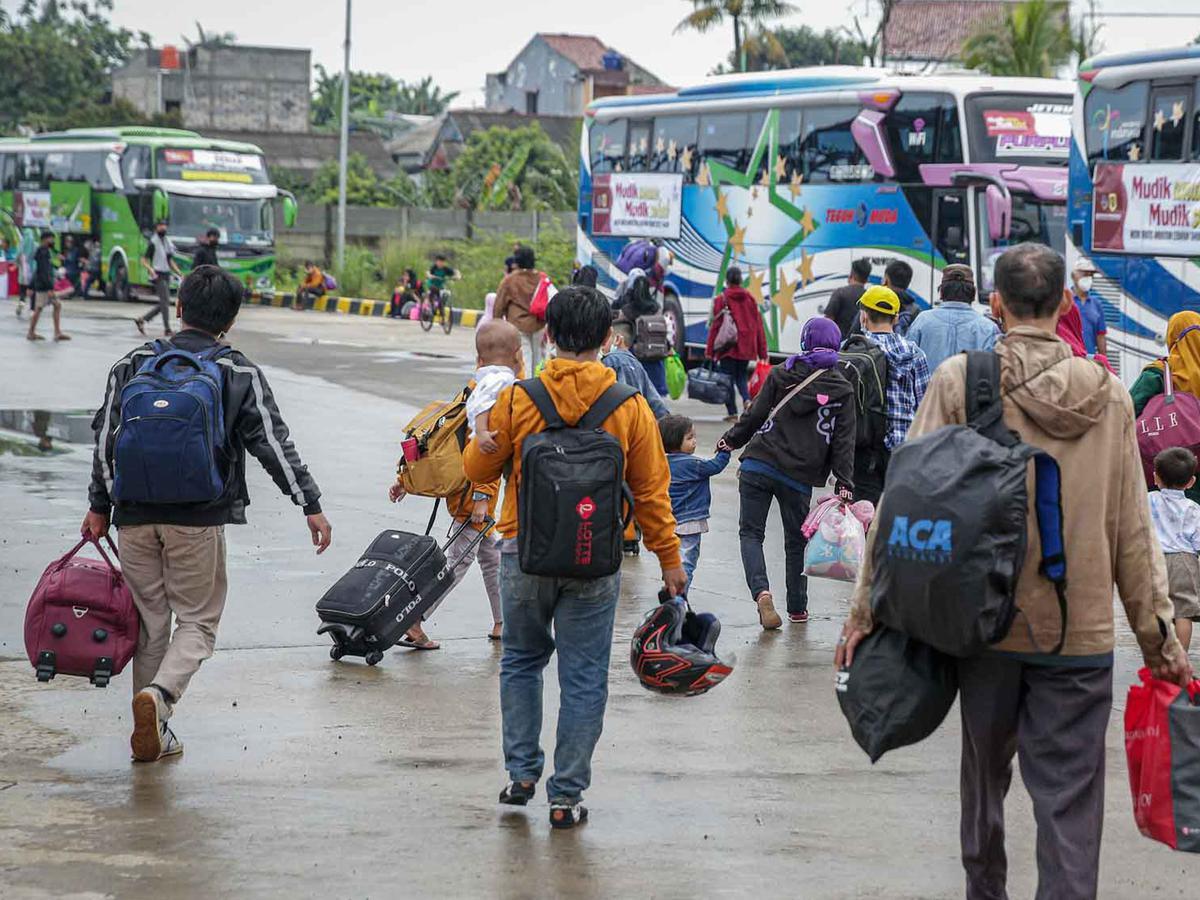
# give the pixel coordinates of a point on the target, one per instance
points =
(308, 778)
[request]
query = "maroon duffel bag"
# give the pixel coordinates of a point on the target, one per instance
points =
(81, 619)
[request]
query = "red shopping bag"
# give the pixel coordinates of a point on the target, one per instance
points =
(1162, 745)
(758, 378)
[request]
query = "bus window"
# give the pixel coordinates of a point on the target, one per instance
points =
(790, 140)
(135, 163)
(58, 166)
(606, 144)
(88, 166)
(1168, 122)
(8, 178)
(1114, 120)
(952, 227)
(1196, 123)
(680, 132)
(923, 128)
(31, 171)
(640, 153)
(828, 148)
(723, 139)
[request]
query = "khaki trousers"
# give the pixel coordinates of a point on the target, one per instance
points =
(174, 570)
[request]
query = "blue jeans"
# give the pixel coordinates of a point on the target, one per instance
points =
(689, 548)
(657, 373)
(738, 370)
(582, 613)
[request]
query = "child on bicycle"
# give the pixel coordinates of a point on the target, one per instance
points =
(439, 273)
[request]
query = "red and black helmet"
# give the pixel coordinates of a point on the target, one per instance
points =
(673, 650)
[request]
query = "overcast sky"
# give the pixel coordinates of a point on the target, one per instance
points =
(459, 41)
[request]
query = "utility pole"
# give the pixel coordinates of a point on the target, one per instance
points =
(343, 148)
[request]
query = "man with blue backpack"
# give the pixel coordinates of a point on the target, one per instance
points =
(1016, 586)
(169, 471)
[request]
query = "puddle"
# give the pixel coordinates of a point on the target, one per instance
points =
(26, 447)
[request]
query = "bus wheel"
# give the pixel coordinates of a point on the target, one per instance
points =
(673, 313)
(118, 280)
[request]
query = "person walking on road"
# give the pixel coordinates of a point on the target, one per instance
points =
(513, 298)
(206, 249)
(1052, 710)
(691, 495)
(907, 378)
(173, 554)
(800, 428)
(160, 255)
(1091, 310)
(751, 343)
(43, 290)
(898, 276)
(843, 302)
(574, 617)
(955, 326)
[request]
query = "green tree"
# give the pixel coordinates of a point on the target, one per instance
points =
(784, 48)
(1033, 39)
(513, 168)
(56, 61)
(744, 14)
(372, 96)
(209, 38)
(363, 186)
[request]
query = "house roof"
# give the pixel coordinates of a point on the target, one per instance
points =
(936, 29)
(437, 144)
(585, 50)
(304, 152)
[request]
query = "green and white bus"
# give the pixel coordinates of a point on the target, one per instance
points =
(112, 184)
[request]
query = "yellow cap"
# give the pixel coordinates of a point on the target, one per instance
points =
(881, 299)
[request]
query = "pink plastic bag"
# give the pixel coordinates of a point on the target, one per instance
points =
(837, 539)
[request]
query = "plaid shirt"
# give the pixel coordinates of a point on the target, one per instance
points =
(908, 377)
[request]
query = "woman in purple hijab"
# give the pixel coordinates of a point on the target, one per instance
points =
(799, 429)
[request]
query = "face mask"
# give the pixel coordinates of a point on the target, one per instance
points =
(1085, 283)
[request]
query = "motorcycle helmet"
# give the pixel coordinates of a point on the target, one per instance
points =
(673, 650)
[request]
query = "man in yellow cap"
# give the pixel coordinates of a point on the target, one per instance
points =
(907, 378)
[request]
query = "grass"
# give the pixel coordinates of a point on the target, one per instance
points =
(373, 274)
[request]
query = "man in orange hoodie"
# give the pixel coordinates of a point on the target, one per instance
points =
(581, 611)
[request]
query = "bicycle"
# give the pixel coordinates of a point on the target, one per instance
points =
(437, 304)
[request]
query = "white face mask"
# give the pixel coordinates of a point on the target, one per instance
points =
(1085, 283)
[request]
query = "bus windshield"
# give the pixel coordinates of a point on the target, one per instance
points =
(211, 165)
(241, 222)
(1025, 129)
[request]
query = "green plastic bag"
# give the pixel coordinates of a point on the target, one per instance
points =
(676, 376)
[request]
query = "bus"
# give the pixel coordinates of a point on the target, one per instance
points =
(1134, 205)
(112, 184)
(791, 175)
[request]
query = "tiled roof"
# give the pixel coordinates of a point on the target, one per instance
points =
(585, 50)
(304, 152)
(936, 29)
(457, 125)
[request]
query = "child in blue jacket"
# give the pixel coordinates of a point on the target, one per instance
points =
(690, 494)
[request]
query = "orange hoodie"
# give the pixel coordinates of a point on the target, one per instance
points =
(575, 386)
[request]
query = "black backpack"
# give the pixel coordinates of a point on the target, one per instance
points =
(650, 339)
(865, 366)
(573, 503)
(950, 534)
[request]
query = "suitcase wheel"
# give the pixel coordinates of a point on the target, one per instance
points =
(336, 651)
(45, 665)
(103, 671)
(373, 657)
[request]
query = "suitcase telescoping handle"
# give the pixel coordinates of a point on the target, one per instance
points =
(88, 539)
(488, 524)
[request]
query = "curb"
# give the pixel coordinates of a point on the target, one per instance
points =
(350, 306)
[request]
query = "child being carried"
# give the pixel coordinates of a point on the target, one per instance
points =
(498, 352)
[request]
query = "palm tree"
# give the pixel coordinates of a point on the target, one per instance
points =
(210, 39)
(745, 14)
(1033, 39)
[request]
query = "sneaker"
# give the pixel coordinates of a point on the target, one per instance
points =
(171, 745)
(633, 548)
(149, 725)
(767, 617)
(567, 815)
(518, 793)
(799, 618)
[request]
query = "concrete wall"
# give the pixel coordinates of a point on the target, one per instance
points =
(538, 68)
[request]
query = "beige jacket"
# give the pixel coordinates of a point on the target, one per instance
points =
(513, 298)
(1082, 416)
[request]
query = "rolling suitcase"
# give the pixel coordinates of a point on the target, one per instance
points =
(387, 592)
(81, 619)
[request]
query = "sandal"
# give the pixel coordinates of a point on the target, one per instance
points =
(410, 644)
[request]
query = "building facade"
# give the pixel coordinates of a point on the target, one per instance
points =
(231, 88)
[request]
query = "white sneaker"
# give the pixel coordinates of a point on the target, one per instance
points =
(150, 730)
(171, 745)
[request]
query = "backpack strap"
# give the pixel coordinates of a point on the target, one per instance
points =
(606, 404)
(543, 401)
(1048, 505)
(985, 411)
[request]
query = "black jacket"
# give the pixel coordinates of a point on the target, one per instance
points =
(205, 256)
(252, 422)
(808, 438)
(43, 269)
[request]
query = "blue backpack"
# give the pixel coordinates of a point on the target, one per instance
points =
(170, 441)
(637, 255)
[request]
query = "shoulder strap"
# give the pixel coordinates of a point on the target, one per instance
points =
(606, 404)
(792, 393)
(543, 401)
(985, 411)
(1048, 505)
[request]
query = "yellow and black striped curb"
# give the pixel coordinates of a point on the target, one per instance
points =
(349, 306)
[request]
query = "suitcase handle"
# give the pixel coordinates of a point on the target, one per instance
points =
(488, 522)
(89, 539)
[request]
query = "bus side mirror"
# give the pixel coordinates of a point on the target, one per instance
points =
(999, 213)
(289, 209)
(867, 129)
(112, 168)
(162, 206)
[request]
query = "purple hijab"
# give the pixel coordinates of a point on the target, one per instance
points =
(819, 342)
